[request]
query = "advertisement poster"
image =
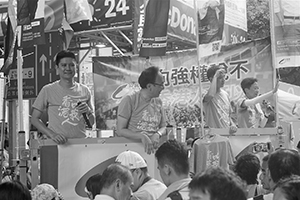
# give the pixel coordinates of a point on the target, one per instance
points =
(115, 77)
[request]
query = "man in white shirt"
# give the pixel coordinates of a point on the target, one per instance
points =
(116, 182)
(144, 186)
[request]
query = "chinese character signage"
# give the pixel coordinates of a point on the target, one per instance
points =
(116, 77)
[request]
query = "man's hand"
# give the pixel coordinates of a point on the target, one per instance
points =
(155, 140)
(232, 129)
(148, 145)
(59, 138)
(83, 107)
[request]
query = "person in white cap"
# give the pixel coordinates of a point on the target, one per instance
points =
(145, 187)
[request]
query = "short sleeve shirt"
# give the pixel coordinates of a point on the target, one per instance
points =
(142, 115)
(249, 116)
(60, 104)
(217, 110)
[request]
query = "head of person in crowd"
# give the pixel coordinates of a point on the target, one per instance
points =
(282, 164)
(151, 81)
(173, 161)
(247, 168)
(66, 64)
(221, 74)
(288, 189)
(14, 190)
(92, 186)
(116, 182)
(45, 191)
(263, 176)
(216, 183)
(137, 165)
(250, 87)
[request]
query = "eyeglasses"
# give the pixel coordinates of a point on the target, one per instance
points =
(159, 84)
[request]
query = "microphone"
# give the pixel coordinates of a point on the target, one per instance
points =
(86, 119)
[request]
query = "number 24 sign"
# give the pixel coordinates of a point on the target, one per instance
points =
(108, 13)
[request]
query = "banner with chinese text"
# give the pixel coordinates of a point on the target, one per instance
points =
(115, 77)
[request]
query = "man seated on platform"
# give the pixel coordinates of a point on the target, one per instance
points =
(173, 166)
(216, 102)
(67, 102)
(250, 113)
(116, 183)
(141, 115)
(145, 187)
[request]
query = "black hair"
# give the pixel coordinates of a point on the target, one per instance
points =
(114, 172)
(148, 76)
(290, 187)
(93, 184)
(220, 183)
(247, 168)
(284, 163)
(64, 54)
(247, 82)
(14, 190)
(174, 153)
(211, 71)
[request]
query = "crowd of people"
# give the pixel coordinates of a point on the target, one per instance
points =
(128, 179)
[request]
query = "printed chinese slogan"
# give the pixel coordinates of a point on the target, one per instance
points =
(115, 77)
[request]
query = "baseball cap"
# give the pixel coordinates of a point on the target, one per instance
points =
(131, 159)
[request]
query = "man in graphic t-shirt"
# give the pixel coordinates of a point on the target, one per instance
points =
(66, 102)
(141, 115)
(216, 102)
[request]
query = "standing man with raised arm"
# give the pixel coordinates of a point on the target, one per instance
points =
(141, 115)
(216, 102)
(67, 103)
(250, 113)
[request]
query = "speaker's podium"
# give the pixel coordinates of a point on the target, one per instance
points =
(67, 167)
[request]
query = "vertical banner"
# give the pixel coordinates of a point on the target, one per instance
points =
(138, 24)
(31, 18)
(235, 21)
(154, 40)
(210, 16)
(285, 31)
(220, 22)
